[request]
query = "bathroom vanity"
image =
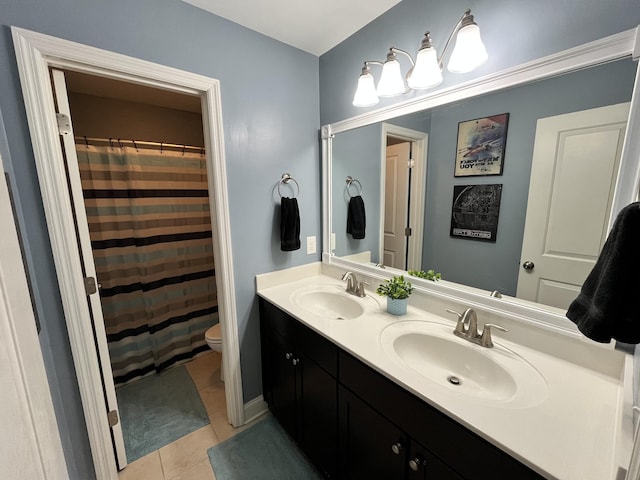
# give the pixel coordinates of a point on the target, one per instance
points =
(365, 393)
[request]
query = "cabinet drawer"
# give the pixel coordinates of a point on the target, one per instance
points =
(273, 318)
(298, 336)
(317, 348)
(441, 435)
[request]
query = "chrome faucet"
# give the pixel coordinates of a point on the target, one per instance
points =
(467, 328)
(354, 287)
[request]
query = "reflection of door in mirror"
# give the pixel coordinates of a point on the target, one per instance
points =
(396, 204)
(575, 166)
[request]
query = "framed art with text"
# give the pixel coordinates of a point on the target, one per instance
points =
(475, 211)
(480, 147)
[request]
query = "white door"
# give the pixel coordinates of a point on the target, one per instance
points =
(29, 440)
(575, 166)
(396, 205)
(95, 305)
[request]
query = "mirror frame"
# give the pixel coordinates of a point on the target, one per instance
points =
(622, 45)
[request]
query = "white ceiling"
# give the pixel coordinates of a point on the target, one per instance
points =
(313, 26)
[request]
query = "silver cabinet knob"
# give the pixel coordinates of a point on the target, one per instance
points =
(288, 356)
(528, 265)
(295, 361)
(416, 464)
(396, 448)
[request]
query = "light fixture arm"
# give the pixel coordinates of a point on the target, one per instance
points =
(407, 54)
(466, 19)
(372, 62)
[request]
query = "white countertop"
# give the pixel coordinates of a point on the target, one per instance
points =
(572, 434)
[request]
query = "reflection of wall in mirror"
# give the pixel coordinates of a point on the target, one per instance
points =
(495, 266)
(357, 154)
(490, 266)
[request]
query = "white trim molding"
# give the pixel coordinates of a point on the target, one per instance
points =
(255, 408)
(35, 54)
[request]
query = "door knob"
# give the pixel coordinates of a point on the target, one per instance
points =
(528, 265)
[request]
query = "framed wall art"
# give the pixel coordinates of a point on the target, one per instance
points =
(475, 211)
(480, 147)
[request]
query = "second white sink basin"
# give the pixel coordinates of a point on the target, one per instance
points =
(330, 301)
(495, 376)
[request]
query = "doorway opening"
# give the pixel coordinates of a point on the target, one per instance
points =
(140, 156)
(36, 54)
(403, 168)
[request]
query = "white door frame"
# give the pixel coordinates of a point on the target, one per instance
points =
(418, 188)
(30, 444)
(35, 53)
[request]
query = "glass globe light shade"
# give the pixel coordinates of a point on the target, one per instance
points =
(469, 52)
(426, 72)
(365, 95)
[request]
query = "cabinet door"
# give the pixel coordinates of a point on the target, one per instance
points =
(318, 397)
(370, 445)
(280, 380)
(422, 465)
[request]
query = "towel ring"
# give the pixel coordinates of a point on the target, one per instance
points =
(286, 178)
(351, 181)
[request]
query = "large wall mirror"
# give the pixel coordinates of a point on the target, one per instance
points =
(569, 161)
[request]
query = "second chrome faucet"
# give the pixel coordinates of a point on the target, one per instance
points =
(467, 328)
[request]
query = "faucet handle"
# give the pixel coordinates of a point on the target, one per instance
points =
(485, 339)
(460, 324)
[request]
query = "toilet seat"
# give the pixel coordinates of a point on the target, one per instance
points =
(213, 335)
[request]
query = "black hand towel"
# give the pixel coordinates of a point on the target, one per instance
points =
(607, 306)
(289, 224)
(356, 218)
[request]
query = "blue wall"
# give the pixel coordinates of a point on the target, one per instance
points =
(271, 119)
(513, 32)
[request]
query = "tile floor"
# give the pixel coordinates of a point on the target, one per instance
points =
(186, 458)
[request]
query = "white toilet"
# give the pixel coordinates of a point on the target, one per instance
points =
(213, 338)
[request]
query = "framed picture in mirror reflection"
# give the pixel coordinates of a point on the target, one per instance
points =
(481, 145)
(475, 211)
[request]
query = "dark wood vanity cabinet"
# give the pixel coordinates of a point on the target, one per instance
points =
(354, 423)
(299, 370)
(373, 447)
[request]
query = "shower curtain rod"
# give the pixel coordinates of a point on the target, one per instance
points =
(116, 142)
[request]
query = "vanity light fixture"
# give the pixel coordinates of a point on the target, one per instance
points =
(426, 72)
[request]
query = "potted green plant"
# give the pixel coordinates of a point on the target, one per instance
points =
(397, 291)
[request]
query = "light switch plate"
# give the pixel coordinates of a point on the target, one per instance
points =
(311, 245)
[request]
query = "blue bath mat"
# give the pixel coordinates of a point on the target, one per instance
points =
(262, 451)
(158, 410)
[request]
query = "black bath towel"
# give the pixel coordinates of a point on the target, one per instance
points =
(608, 305)
(356, 218)
(289, 224)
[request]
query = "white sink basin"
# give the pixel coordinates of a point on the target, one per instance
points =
(330, 301)
(431, 352)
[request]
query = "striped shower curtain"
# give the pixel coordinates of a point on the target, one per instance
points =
(150, 228)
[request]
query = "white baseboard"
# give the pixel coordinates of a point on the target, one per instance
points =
(254, 408)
